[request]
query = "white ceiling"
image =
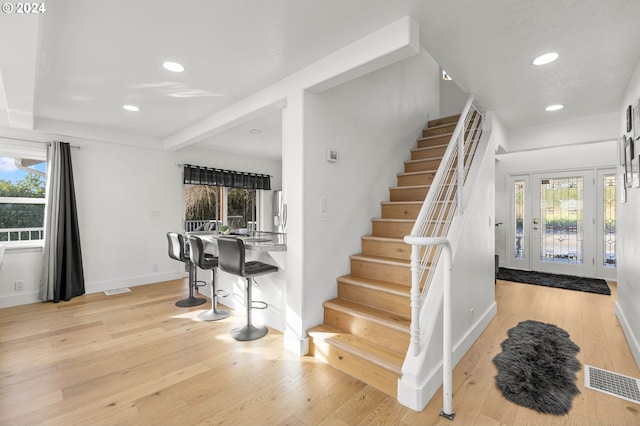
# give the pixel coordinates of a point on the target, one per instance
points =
(80, 61)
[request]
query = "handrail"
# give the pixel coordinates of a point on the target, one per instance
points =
(428, 237)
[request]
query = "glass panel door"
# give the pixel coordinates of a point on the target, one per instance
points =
(517, 230)
(563, 223)
(606, 260)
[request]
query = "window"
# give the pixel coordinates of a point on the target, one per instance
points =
(241, 208)
(206, 204)
(22, 198)
(202, 205)
(609, 215)
(222, 196)
(518, 206)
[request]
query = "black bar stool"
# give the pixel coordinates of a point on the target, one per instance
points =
(231, 258)
(177, 251)
(208, 261)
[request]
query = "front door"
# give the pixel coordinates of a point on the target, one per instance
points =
(562, 223)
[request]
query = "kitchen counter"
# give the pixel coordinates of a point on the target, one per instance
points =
(254, 241)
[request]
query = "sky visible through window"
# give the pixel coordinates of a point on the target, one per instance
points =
(9, 171)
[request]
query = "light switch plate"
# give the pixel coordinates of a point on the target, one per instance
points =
(332, 155)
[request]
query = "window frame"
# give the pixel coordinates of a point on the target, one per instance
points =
(32, 150)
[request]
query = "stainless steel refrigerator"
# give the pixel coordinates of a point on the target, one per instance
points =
(279, 213)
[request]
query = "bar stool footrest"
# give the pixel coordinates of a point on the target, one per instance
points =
(259, 304)
(222, 293)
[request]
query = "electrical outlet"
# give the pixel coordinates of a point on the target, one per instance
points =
(19, 285)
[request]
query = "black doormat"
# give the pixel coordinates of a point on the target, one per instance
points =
(537, 367)
(568, 282)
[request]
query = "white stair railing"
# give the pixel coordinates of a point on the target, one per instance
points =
(428, 237)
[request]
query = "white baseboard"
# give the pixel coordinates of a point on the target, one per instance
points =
(417, 397)
(100, 286)
(632, 339)
(24, 298)
(28, 297)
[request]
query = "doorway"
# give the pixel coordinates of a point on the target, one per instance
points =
(564, 222)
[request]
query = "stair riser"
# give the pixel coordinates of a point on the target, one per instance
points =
(400, 305)
(434, 141)
(394, 250)
(355, 366)
(407, 211)
(416, 179)
(421, 166)
(408, 193)
(377, 333)
(449, 128)
(400, 211)
(391, 229)
(453, 119)
(422, 154)
(382, 272)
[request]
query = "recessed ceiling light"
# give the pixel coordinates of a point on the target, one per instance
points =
(173, 66)
(255, 131)
(546, 58)
(554, 107)
(132, 108)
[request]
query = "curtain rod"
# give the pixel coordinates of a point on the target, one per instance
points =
(224, 170)
(32, 140)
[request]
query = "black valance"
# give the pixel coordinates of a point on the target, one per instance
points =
(196, 175)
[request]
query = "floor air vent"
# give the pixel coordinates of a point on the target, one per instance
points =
(117, 291)
(614, 384)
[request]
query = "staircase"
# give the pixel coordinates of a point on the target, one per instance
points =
(366, 328)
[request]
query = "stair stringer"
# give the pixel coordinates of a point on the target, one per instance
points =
(422, 374)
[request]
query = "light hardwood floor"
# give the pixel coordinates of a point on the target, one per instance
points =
(136, 359)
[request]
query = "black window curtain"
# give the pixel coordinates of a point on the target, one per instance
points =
(196, 175)
(62, 273)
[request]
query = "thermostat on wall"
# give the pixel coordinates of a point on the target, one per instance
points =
(332, 155)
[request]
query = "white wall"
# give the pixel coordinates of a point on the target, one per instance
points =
(594, 128)
(128, 198)
(372, 122)
(452, 98)
(628, 243)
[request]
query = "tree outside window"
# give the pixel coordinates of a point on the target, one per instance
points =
(22, 199)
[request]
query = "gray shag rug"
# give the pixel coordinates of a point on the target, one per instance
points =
(568, 282)
(537, 367)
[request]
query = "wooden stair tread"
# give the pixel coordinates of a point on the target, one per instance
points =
(440, 126)
(380, 259)
(423, 160)
(410, 187)
(387, 219)
(376, 354)
(427, 138)
(382, 239)
(397, 289)
(428, 148)
(400, 203)
(394, 321)
(444, 120)
(421, 172)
